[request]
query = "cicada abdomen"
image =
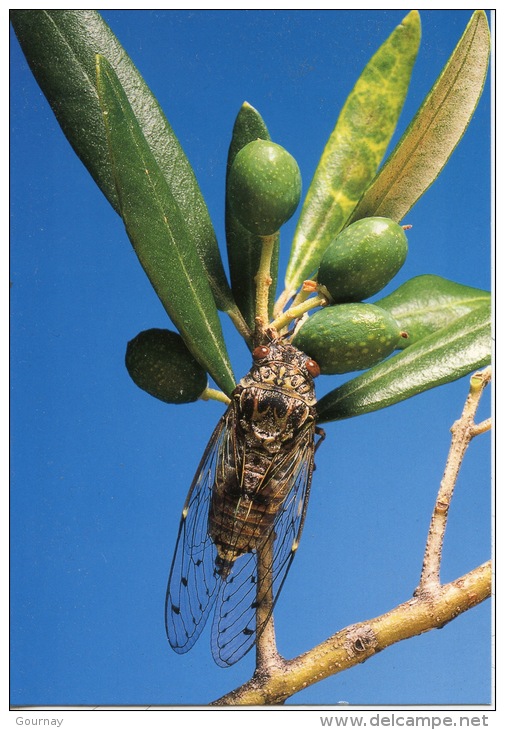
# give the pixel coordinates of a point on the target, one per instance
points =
(250, 491)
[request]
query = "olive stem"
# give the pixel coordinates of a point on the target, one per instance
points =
(301, 297)
(267, 656)
(283, 299)
(240, 324)
(463, 431)
(297, 311)
(214, 394)
(357, 643)
(263, 280)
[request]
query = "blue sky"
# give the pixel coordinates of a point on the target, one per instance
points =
(100, 470)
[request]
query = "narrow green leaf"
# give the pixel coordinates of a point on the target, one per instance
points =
(60, 47)
(428, 303)
(446, 355)
(436, 129)
(158, 232)
(244, 248)
(354, 149)
(249, 125)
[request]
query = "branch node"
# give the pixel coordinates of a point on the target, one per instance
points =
(361, 642)
(441, 506)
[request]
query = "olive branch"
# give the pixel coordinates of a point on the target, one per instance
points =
(432, 606)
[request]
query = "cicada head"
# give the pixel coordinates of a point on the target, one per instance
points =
(278, 365)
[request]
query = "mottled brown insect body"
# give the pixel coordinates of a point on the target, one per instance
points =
(244, 514)
(273, 406)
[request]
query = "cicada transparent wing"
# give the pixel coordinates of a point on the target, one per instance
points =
(234, 629)
(193, 580)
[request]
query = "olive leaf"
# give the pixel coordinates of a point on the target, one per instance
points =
(60, 47)
(355, 149)
(444, 356)
(428, 303)
(244, 248)
(158, 231)
(435, 131)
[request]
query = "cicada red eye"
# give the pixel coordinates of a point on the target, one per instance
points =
(260, 352)
(312, 368)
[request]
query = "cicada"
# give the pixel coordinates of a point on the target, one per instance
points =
(244, 514)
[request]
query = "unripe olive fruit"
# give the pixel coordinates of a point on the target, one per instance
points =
(348, 337)
(264, 186)
(362, 259)
(159, 362)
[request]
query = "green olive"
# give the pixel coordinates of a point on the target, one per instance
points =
(348, 337)
(159, 362)
(264, 186)
(362, 259)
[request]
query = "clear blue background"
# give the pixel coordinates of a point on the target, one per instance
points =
(100, 469)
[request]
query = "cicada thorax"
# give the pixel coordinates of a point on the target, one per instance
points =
(272, 409)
